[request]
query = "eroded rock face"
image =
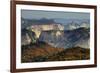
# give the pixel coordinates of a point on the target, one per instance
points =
(66, 38)
(37, 29)
(27, 37)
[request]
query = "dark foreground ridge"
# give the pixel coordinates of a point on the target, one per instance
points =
(43, 52)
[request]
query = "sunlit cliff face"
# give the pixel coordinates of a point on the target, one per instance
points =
(37, 32)
(39, 28)
(58, 33)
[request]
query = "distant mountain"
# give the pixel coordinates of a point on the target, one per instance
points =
(45, 21)
(67, 38)
(74, 25)
(28, 22)
(68, 21)
(69, 24)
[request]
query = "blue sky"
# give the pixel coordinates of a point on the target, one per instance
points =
(38, 14)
